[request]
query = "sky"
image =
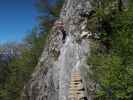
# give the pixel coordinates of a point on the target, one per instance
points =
(17, 18)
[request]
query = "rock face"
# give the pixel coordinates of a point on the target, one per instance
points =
(51, 78)
(125, 3)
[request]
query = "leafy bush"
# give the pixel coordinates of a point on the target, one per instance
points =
(15, 74)
(113, 71)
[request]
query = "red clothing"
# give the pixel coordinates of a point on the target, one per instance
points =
(59, 25)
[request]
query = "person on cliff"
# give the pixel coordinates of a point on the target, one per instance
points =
(60, 25)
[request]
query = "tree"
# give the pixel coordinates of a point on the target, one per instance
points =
(48, 13)
(113, 72)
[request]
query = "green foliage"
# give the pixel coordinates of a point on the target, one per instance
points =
(15, 73)
(113, 71)
(49, 13)
(20, 68)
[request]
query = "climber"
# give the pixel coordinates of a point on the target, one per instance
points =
(60, 25)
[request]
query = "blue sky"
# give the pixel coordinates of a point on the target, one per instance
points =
(17, 17)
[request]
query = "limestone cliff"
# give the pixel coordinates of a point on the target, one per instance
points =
(51, 78)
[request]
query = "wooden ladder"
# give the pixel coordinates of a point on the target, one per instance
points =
(76, 90)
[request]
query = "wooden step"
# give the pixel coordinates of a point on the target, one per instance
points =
(76, 90)
(74, 82)
(76, 85)
(77, 80)
(76, 93)
(76, 74)
(75, 77)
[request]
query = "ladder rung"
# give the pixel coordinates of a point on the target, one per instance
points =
(75, 92)
(75, 82)
(76, 75)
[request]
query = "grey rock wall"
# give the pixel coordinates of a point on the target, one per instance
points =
(51, 77)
